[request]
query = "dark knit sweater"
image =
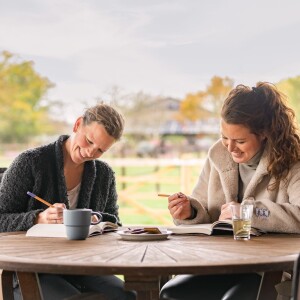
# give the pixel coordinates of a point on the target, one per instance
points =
(41, 171)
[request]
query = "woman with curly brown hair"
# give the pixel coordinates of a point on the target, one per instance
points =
(258, 157)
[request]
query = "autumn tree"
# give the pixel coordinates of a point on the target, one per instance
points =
(192, 108)
(207, 103)
(22, 112)
(216, 92)
(291, 88)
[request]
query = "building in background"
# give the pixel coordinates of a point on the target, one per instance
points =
(156, 131)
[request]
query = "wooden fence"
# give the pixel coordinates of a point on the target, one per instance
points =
(139, 181)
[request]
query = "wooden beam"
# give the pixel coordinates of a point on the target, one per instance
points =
(6, 285)
(267, 286)
(29, 286)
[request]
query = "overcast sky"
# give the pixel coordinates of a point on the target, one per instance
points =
(162, 47)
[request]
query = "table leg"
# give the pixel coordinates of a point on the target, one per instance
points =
(267, 286)
(147, 288)
(6, 285)
(163, 280)
(29, 286)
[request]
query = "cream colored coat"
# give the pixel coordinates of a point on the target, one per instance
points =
(218, 184)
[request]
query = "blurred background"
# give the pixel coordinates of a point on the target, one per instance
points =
(166, 65)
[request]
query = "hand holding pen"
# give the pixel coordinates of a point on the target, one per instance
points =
(52, 215)
(179, 205)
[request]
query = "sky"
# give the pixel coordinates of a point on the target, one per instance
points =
(161, 47)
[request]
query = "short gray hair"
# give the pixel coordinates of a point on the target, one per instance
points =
(107, 116)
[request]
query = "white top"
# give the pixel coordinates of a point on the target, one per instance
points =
(73, 196)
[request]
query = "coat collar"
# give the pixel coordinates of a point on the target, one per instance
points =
(222, 161)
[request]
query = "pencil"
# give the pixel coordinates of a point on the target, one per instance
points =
(163, 195)
(39, 199)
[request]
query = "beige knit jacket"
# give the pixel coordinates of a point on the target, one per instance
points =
(275, 211)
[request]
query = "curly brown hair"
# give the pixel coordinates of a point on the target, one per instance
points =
(107, 116)
(263, 109)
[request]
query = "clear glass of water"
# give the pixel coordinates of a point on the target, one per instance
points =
(241, 219)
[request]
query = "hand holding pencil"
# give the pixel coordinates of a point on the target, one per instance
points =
(179, 205)
(52, 215)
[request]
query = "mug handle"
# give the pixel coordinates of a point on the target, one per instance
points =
(99, 217)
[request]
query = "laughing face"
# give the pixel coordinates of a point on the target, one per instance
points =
(88, 142)
(240, 142)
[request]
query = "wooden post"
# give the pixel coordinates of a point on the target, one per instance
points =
(29, 286)
(6, 285)
(157, 184)
(123, 173)
(184, 179)
(267, 286)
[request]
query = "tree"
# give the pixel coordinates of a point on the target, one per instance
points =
(191, 108)
(291, 88)
(216, 92)
(22, 114)
(208, 103)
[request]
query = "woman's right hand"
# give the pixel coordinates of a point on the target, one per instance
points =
(226, 211)
(179, 206)
(51, 215)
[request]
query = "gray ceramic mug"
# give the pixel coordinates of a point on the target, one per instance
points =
(77, 222)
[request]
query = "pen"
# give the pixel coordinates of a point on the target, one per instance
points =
(39, 199)
(180, 195)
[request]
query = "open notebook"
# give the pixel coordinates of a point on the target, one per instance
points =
(58, 230)
(217, 227)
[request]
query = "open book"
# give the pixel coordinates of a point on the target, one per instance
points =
(218, 227)
(58, 230)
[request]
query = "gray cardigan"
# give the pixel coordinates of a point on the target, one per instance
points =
(41, 171)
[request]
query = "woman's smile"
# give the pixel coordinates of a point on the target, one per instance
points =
(240, 142)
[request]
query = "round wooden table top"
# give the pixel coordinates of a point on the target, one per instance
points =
(179, 254)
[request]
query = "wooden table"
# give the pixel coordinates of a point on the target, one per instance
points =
(144, 264)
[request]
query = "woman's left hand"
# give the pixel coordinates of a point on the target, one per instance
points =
(94, 219)
(226, 211)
